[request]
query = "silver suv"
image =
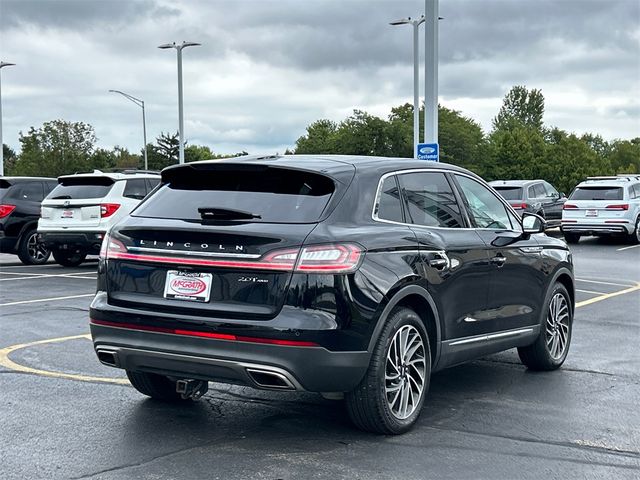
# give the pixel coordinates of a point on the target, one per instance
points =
(603, 206)
(76, 215)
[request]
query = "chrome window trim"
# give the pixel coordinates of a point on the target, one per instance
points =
(376, 203)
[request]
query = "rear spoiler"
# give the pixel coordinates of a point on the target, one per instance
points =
(85, 180)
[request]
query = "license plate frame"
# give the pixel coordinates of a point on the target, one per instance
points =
(188, 286)
(66, 214)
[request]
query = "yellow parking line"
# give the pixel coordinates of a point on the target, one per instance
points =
(6, 362)
(605, 296)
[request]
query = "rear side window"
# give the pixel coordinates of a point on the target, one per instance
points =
(539, 190)
(135, 188)
(597, 193)
(430, 200)
(72, 188)
(152, 183)
(510, 193)
(389, 207)
(31, 191)
(259, 194)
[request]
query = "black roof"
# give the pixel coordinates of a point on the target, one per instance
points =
(332, 165)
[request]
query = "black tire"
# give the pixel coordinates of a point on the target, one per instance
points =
(31, 251)
(571, 237)
(368, 405)
(155, 386)
(540, 355)
(634, 237)
(67, 259)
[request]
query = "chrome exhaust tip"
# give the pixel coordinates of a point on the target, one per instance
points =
(107, 357)
(269, 379)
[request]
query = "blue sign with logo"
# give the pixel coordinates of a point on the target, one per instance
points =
(428, 151)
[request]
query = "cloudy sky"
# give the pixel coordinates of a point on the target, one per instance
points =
(267, 68)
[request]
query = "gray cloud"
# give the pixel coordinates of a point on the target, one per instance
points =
(268, 68)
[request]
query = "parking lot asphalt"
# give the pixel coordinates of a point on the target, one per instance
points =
(64, 415)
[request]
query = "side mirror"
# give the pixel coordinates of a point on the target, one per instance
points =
(532, 223)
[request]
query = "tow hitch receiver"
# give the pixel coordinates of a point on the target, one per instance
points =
(191, 389)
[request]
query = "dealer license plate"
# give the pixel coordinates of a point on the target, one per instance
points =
(67, 214)
(189, 286)
(592, 213)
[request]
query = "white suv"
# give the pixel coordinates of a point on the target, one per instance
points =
(603, 206)
(81, 209)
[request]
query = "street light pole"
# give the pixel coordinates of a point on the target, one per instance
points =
(180, 103)
(2, 64)
(431, 72)
(416, 77)
(140, 103)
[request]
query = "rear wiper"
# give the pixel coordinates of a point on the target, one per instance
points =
(62, 197)
(207, 213)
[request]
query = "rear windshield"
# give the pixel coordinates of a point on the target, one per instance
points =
(510, 193)
(597, 193)
(73, 188)
(270, 195)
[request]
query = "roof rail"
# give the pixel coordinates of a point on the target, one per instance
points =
(628, 177)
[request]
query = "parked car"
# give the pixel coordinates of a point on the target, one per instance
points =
(603, 206)
(535, 196)
(81, 209)
(349, 276)
(20, 199)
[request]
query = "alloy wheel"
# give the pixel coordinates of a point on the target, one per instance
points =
(36, 250)
(557, 327)
(405, 372)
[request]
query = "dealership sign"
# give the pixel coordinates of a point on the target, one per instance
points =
(428, 151)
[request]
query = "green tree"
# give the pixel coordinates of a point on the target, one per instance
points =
(520, 106)
(462, 141)
(625, 156)
(102, 159)
(319, 139)
(9, 158)
(57, 148)
(195, 153)
(514, 153)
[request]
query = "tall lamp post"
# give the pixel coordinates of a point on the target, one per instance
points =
(179, 49)
(2, 64)
(431, 72)
(140, 103)
(415, 23)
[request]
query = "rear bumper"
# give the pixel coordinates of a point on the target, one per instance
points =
(597, 228)
(8, 244)
(310, 368)
(88, 242)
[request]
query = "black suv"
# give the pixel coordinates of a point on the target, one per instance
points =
(349, 276)
(20, 199)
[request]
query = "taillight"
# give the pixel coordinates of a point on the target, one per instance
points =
(569, 206)
(110, 246)
(519, 206)
(332, 258)
(108, 209)
(6, 210)
(622, 206)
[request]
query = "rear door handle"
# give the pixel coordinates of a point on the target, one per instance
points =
(499, 260)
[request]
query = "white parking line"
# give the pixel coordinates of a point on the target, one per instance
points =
(590, 291)
(28, 276)
(52, 299)
(627, 248)
(605, 283)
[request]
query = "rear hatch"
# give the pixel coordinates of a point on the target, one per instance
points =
(595, 203)
(76, 202)
(216, 240)
(512, 194)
